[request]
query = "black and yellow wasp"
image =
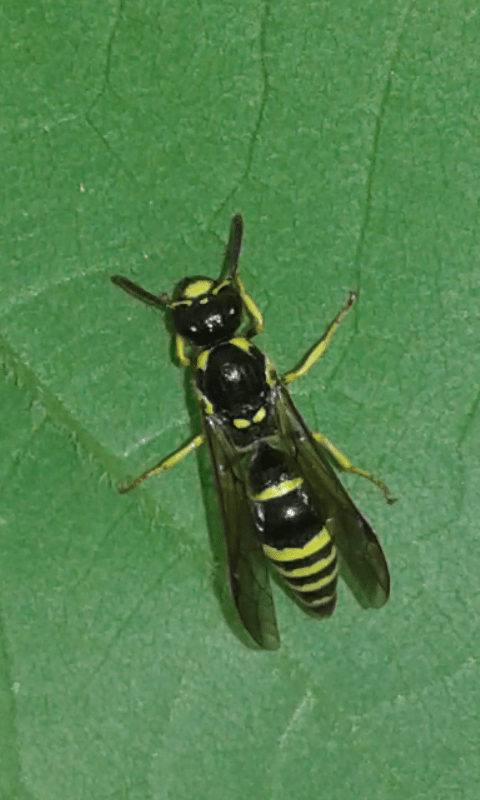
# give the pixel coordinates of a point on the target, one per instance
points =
(280, 500)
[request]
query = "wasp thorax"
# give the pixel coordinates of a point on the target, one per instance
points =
(206, 312)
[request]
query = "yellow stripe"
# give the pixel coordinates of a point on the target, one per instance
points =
(322, 601)
(310, 587)
(292, 553)
(208, 408)
(305, 572)
(277, 491)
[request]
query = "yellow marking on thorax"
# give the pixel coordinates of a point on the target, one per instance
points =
(260, 415)
(202, 359)
(292, 553)
(205, 402)
(277, 491)
(241, 423)
(240, 342)
(312, 569)
(271, 372)
(197, 288)
(177, 303)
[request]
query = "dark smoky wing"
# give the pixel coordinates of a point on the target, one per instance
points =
(247, 565)
(353, 534)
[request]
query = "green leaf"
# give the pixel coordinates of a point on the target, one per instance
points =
(347, 137)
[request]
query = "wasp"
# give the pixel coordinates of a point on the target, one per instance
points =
(280, 500)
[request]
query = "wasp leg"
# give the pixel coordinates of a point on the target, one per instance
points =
(180, 351)
(319, 349)
(256, 319)
(166, 463)
(347, 466)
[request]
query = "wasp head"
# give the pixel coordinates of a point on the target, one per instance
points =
(205, 311)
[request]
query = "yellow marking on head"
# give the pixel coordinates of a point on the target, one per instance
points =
(177, 303)
(279, 490)
(241, 423)
(221, 286)
(240, 342)
(197, 288)
(202, 359)
(261, 414)
(310, 587)
(312, 569)
(292, 553)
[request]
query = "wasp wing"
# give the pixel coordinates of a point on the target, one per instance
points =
(247, 565)
(353, 534)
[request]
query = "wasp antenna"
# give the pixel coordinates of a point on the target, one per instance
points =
(139, 293)
(234, 245)
(164, 300)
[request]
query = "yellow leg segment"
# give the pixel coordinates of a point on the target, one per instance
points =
(254, 312)
(166, 463)
(180, 350)
(347, 466)
(319, 349)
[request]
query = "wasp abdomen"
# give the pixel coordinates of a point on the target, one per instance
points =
(293, 533)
